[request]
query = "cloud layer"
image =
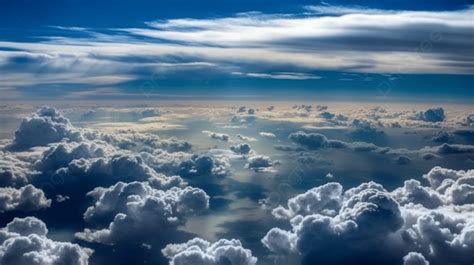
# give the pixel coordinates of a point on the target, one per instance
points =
(374, 225)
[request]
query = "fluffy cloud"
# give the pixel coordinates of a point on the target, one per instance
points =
(101, 171)
(27, 198)
(61, 154)
(24, 242)
(260, 163)
(199, 251)
(324, 199)
(204, 165)
(242, 148)
(414, 258)
(46, 126)
(220, 136)
(13, 171)
(432, 115)
(375, 226)
(137, 208)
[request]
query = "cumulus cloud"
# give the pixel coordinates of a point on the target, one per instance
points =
(242, 148)
(431, 115)
(134, 209)
(199, 251)
(46, 126)
(375, 226)
(24, 242)
(27, 198)
(103, 171)
(260, 163)
(13, 171)
(220, 136)
(414, 258)
(323, 199)
(204, 165)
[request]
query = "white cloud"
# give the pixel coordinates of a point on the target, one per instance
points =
(46, 126)
(13, 171)
(260, 163)
(414, 258)
(280, 75)
(381, 41)
(27, 198)
(385, 226)
(134, 209)
(267, 134)
(246, 138)
(242, 148)
(220, 136)
(24, 242)
(199, 251)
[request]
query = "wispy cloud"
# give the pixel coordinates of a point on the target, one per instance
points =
(324, 37)
(280, 75)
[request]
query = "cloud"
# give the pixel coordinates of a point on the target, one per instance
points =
(242, 148)
(317, 141)
(314, 141)
(24, 242)
(220, 136)
(357, 40)
(375, 226)
(204, 165)
(199, 251)
(27, 198)
(13, 171)
(260, 163)
(246, 138)
(414, 258)
(267, 134)
(134, 209)
(324, 199)
(432, 115)
(280, 75)
(46, 126)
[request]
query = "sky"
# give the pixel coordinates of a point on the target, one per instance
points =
(236, 132)
(364, 50)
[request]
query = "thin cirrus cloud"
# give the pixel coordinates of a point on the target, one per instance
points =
(324, 37)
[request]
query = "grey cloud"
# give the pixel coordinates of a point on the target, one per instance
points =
(385, 226)
(242, 148)
(432, 115)
(325, 199)
(199, 251)
(23, 242)
(46, 126)
(220, 136)
(13, 171)
(260, 163)
(414, 258)
(316, 141)
(363, 212)
(246, 138)
(136, 208)
(27, 198)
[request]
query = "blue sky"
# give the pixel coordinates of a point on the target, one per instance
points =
(287, 49)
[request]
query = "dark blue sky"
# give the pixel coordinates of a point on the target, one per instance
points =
(340, 47)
